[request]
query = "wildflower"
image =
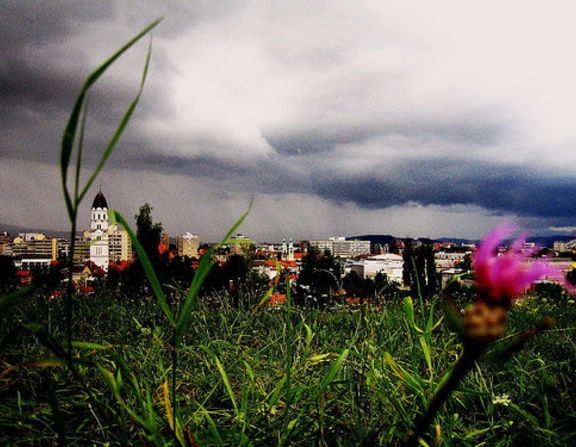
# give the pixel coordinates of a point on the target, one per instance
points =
(500, 279)
(501, 400)
(484, 323)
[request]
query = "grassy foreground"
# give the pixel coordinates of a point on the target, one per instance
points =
(347, 376)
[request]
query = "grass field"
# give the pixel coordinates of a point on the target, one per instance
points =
(344, 376)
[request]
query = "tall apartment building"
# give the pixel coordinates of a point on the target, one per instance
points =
(82, 248)
(119, 244)
(188, 244)
(5, 244)
(340, 246)
(238, 248)
(35, 245)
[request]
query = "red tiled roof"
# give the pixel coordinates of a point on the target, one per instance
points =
(120, 266)
(277, 298)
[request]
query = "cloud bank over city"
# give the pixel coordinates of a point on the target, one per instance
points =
(335, 117)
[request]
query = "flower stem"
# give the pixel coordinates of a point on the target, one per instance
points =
(472, 352)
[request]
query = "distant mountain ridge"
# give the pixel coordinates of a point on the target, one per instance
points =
(375, 238)
(543, 241)
(14, 230)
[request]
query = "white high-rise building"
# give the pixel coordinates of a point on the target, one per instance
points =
(187, 244)
(340, 246)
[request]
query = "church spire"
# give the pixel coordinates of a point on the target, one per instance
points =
(99, 200)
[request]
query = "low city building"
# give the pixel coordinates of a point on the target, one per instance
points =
(391, 265)
(35, 245)
(188, 244)
(340, 246)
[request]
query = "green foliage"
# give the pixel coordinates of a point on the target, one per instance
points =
(356, 286)
(419, 269)
(148, 232)
(320, 276)
(232, 378)
(7, 275)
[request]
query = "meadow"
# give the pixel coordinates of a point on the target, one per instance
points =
(348, 375)
(176, 368)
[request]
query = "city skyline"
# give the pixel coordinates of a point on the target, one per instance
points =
(422, 120)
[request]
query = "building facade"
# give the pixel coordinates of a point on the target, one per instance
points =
(106, 243)
(340, 246)
(35, 245)
(188, 244)
(391, 265)
(99, 253)
(119, 244)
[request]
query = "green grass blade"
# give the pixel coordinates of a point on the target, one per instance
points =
(119, 130)
(211, 424)
(201, 273)
(224, 377)
(146, 265)
(427, 353)
(319, 389)
(69, 136)
(16, 296)
(402, 374)
(89, 345)
(79, 154)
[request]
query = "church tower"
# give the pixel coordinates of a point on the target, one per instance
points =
(290, 254)
(99, 231)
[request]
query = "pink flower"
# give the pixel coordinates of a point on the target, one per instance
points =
(502, 278)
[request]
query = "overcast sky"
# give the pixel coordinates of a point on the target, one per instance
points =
(422, 119)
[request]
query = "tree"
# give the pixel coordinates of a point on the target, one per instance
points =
(8, 278)
(320, 275)
(358, 287)
(148, 232)
(419, 271)
(408, 266)
(385, 287)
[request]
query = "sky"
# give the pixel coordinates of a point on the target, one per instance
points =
(420, 119)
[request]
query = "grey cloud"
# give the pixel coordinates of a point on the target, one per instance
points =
(371, 119)
(36, 22)
(445, 182)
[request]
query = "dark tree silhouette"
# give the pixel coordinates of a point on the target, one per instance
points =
(319, 277)
(148, 232)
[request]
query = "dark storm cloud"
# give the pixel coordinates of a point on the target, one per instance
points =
(445, 182)
(366, 108)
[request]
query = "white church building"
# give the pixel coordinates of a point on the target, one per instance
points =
(108, 243)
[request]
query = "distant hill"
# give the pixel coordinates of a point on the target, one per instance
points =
(385, 238)
(376, 238)
(452, 240)
(13, 230)
(548, 241)
(543, 241)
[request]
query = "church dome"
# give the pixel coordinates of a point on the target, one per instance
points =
(99, 201)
